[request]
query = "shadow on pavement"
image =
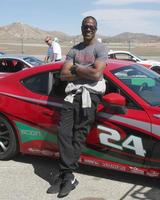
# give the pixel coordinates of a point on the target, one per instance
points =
(47, 168)
(44, 167)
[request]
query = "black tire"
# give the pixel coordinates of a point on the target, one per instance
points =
(8, 140)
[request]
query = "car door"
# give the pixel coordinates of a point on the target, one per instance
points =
(48, 98)
(41, 107)
(123, 138)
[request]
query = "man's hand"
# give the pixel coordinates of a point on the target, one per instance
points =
(66, 74)
(73, 69)
(92, 72)
(46, 59)
(72, 72)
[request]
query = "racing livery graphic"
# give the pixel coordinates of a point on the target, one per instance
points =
(126, 132)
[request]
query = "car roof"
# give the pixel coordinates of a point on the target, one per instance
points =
(118, 51)
(111, 65)
(16, 56)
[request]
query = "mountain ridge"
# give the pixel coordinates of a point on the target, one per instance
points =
(19, 30)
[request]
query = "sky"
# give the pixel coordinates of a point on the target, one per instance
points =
(113, 16)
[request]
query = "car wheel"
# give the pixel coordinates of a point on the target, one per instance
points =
(8, 140)
(156, 69)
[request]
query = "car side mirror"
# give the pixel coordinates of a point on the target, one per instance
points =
(114, 103)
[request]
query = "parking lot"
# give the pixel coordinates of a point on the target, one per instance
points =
(28, 178)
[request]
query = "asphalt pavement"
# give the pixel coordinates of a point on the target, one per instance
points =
(28, 178)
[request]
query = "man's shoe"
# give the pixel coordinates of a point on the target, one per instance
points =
(55, 187)
(67, 186)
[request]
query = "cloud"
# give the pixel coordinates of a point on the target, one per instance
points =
(113, 21)
(122, 14)
(120, 2)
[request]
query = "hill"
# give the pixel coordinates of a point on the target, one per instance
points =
(134, 37)
(19, 30)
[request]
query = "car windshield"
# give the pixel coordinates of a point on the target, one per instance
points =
(142, 81)
(33, 61)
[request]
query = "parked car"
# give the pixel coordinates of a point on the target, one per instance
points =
(126, 55)
(124, 137)
(14, 63)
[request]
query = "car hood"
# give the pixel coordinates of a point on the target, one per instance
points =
(2, 75)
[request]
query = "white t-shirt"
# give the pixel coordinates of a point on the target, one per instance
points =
(57, 50)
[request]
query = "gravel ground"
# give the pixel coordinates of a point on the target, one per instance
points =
(28, 178)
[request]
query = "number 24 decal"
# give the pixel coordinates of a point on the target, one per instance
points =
(132, 142)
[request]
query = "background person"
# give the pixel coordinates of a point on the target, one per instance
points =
(49, 57)
(57, 50)
(54, 53)
(83, 69)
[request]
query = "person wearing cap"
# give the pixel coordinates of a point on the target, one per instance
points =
(83, 70)
(54, 52)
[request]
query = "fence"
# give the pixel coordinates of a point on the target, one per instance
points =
(38, 47)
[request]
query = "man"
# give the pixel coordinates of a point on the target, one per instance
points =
(83, 69)
(54, 53)
(57, 50)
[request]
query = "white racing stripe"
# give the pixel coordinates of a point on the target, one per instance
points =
(32, 100)
(133, 122)
(139, 124)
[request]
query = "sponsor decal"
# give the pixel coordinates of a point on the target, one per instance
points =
(111, 158)
(33, 133)
(153, 174)
(115, 167)
(89, 162)
(30, 133)
(42, 152)
(100, 164)
(136, 170)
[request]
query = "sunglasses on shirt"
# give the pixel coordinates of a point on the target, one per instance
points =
(86, 27)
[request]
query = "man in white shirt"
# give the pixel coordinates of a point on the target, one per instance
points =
(56, 50)
(54, 53)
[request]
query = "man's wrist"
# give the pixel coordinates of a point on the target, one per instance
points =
(73, 69)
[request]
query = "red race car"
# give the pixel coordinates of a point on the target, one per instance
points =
(125, 135)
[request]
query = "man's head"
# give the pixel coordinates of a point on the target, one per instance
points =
(89, 28)
(48, 40)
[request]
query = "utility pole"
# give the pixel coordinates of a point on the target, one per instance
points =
(129, 45)
(22, 50)
(22, 40)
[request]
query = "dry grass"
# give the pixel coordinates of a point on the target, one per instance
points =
(40, 48)
(150, 49)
